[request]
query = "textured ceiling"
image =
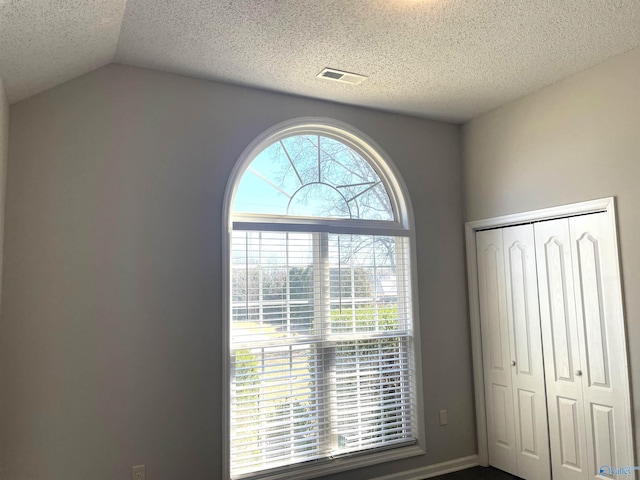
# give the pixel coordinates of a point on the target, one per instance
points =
(47, 42)
(446, 59)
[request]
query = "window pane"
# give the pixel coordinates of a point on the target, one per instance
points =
(276, 417)
(321, 346)
(272, 292)
(369, 283)
(319, 200)
(312, 176)
(373, 393)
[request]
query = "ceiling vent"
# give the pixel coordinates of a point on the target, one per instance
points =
(340, 76)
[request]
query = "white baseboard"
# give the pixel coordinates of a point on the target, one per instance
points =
(434, 470)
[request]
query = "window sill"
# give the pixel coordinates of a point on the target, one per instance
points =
(337, 465)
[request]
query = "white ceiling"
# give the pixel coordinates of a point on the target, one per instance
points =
(445, 59)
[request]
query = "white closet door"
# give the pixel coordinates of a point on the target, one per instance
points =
(561, 351)
(495, 351)
(529, 400)
(584, 347)
(602, 343)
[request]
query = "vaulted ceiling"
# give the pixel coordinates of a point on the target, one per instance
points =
(444, 59)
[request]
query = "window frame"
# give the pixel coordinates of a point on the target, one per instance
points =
(402, 225)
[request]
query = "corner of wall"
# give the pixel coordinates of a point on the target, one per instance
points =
(4, 157)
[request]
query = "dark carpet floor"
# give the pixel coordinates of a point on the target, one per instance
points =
(478, 473)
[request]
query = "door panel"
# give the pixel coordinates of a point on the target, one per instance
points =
(519, 314)
(559, 311)
(603, 435)
(570, 451)
(592, 312)
(501, 399)
(561, 351)
(495, 350)
(529, 435)
(532, 444)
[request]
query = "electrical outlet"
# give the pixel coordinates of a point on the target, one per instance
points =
(443, 417)
(137, 472)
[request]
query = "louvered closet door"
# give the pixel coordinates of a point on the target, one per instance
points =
(496, 355)
(529, 399)
(584, 346)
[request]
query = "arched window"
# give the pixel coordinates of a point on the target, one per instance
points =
(322, 343)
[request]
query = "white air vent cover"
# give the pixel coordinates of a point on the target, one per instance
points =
(340, 76)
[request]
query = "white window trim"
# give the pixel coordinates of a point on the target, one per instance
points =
(403, 212)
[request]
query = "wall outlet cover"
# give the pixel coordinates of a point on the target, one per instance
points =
(443, 417)
(138, 472)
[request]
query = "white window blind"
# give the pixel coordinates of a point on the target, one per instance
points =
(321, 347)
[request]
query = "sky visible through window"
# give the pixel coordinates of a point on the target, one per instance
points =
(312, 176)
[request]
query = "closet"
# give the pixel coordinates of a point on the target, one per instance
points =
(553, 345)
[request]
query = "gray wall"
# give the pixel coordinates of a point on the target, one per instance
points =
(4, 154)
(110, 341)
(576, 140)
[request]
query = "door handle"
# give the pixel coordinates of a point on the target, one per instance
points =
(513, 363)
(578, 373)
